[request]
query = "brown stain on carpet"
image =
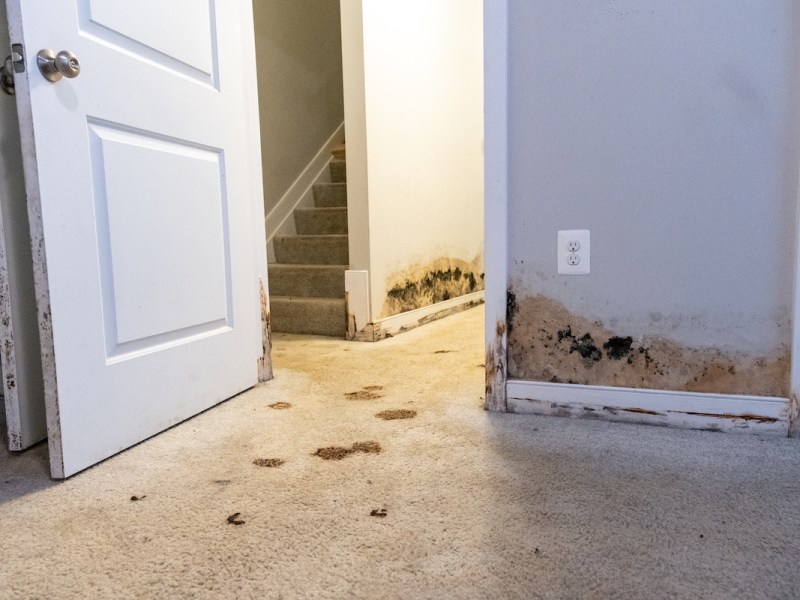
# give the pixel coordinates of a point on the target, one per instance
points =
(268, 462)
(280, 405)
(548, 343)
(340, 452)
(400, 413)
(363, 394)
(235, 520)
(421, 285)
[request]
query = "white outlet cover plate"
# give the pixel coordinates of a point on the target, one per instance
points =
(584, 263)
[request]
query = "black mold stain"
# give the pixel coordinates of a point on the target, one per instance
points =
(549, 344)
(584, 345)
(586, 348)
(435, 285)
(511, 308)
(617, 347)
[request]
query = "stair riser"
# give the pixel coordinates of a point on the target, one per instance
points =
(311, 250)
(327, 195)
(329, 221)
(338, 169)
(307, 316)
(310, 282)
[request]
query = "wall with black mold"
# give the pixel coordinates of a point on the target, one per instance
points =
(423, 86)
(670, 131)
(428, 283)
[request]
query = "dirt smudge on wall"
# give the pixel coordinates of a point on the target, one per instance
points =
(425, 284)
(548, 343)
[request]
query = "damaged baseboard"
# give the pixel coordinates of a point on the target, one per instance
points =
(391, 326)
(714, 412)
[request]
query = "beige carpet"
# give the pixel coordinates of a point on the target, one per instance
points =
(458, 504)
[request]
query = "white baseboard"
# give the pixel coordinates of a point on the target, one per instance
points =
(300, 194)
(391, 326)
(717, 412)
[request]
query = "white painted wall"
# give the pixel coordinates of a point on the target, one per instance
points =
(423, 104)
(670, 130)
(299, 58)
(355, 118)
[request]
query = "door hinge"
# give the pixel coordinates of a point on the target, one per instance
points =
(14, 63)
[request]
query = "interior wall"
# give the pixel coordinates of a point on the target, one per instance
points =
(352, 27)
(423, 90)
(670, 131)
(299, 59)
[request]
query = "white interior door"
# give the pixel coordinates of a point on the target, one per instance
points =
(143, 182)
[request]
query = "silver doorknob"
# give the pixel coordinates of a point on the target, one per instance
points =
(55, 66)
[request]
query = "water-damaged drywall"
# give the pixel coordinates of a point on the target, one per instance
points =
(425, 284)
(299, 57)
(548, 343)
(670, 131)
(423, 111)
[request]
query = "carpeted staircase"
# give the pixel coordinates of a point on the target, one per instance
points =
(306, 282)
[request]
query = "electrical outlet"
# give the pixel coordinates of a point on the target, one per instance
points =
(573, 252)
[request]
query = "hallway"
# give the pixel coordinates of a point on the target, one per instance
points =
(458, 503)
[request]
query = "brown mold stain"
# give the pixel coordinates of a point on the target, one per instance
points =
(548, 343)
(422, 285)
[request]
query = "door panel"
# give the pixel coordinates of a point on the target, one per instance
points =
(172, 211)
(194, 46)
(143, 189)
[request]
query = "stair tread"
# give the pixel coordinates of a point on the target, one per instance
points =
(287, 266)
(308, 299)
(331, 236)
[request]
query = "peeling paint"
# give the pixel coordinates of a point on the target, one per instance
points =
(746, 417)
(437, 281)
(265, 360)
(548, 343)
